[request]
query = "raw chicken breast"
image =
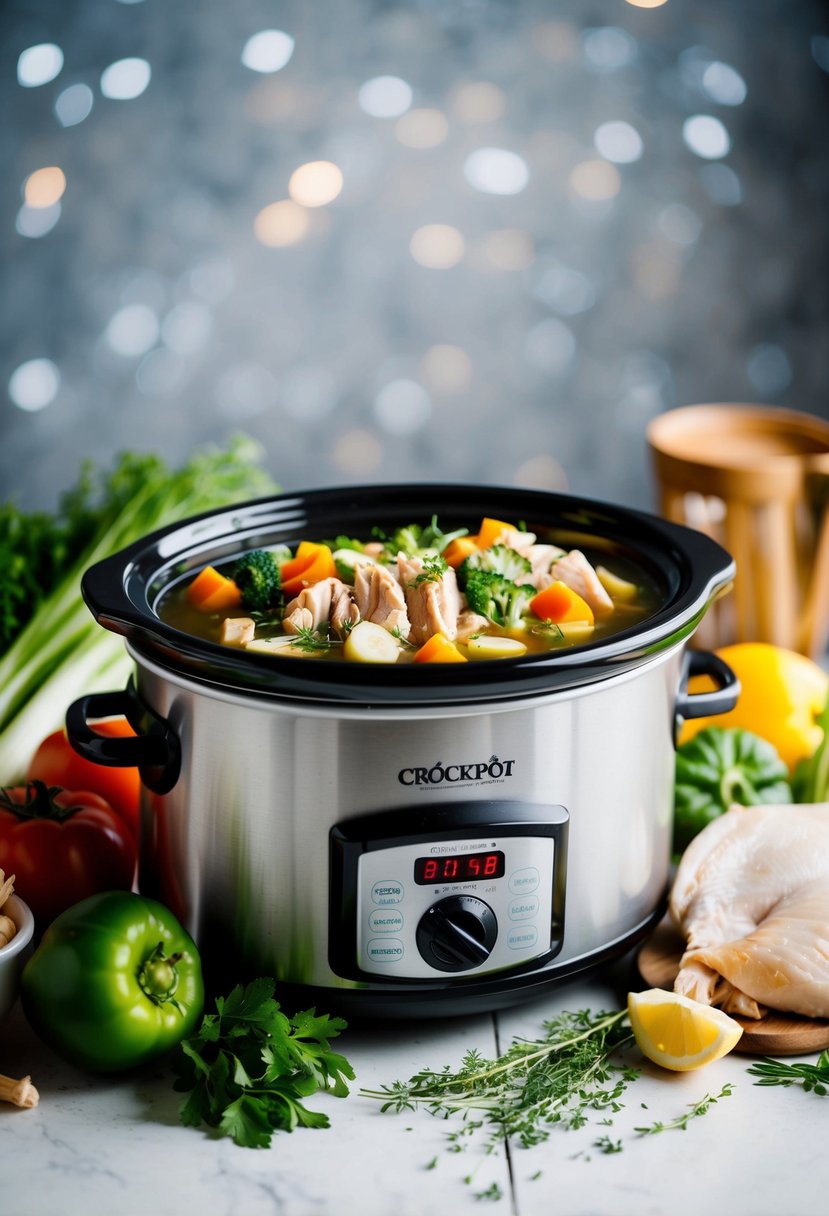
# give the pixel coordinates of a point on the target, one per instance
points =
(751, 897)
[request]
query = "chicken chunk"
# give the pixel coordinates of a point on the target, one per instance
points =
(380, 599)
(315, 604)
(541, 558)
(470, 623)
(751, 897)
(237, 630)
(434, 604)
(575, 570)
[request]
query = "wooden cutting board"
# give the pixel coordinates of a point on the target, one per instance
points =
(776, 1034)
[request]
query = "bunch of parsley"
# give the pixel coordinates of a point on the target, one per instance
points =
(249, 1067)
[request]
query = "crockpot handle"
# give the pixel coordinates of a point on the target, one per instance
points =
(154, 749)
(718, 700)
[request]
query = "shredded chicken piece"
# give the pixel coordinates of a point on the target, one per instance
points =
(514, 538)
(380, 599)
(470, 623)
(434, 604)
(344, 612)
(575, 570)
(237, 630)
(751, 897)
(541, 558)
(317, 604)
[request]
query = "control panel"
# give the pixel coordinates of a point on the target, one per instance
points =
(455, 891)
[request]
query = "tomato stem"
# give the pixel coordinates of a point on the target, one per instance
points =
(39, 803)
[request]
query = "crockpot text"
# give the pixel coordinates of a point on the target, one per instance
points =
(443, 774)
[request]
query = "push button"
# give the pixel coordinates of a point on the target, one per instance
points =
(523, 909)
(389, 891)
(521, 882)
(384, 950)
(522, 938)
(382, 920)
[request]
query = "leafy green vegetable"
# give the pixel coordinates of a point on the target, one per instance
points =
(814, 1078)
(54, 650)
(249, 1067)
(719, 767)
(415, 541)
(810, 780)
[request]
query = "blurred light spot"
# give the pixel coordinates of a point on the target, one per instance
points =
(656, 270)
(316, 183)
(125, 79)
(541, 472)
(267, 51)
(550, 347)
(556, 41)
(693, 62)
(133, 330)
(422, 128)
(509, 249)
(706, 136)
(595, 180)
(647, 3)
(44, 187)
(35, 222)
(618, 141)
(281, 224)
(74, 104)
(724, 84)
(820, 51)
(679, 224)
(187, 328)
(437, 246)
(357, 453)
(402, 407)
(769, 369)
(566, 291)
(245, 390)
(34, 384)
(212, 280)
(309, 393)
(146, 287)
(608, 48)
(159, 373)
(39, 64)
(446, 369)
(480, 101)
(496, 171)
(385, 97)
(722, 185)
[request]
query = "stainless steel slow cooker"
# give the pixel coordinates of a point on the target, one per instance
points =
(415, 839)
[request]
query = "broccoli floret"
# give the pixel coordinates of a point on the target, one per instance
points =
(256, 574)
(500, 559)
(501, 600)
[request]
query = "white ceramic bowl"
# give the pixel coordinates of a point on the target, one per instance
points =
(14, 954)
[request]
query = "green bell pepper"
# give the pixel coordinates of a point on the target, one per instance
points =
(717, 768)
(115, 982)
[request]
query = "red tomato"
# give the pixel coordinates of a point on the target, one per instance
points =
(62, 846)
(57, 763)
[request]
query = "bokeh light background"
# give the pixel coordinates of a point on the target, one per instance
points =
(443, 239)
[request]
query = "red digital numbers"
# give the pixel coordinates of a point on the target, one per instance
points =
(462, 867)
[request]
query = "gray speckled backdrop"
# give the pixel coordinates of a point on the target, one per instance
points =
(643, 226)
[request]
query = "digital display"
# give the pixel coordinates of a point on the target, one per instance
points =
(459, 867)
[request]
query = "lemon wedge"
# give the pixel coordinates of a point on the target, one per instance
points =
(678, 1033)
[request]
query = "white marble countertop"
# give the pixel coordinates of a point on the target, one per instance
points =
(116, 1145)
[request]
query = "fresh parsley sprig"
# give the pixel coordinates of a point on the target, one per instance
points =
(249, 1067)
(813, 1078)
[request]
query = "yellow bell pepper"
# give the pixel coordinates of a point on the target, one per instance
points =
(782, 693)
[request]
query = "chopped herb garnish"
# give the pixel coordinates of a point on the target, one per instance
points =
(694, 1111)
(312, 641)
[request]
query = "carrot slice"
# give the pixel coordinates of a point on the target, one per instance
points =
(558, 603)
(459, 549)
(211, 591)
(438, 649)
(489, 532)
(312, 563)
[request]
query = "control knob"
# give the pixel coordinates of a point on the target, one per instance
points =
(457, 933)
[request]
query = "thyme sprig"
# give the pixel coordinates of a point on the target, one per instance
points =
(536, 1085)
(813, 1078)
(693, 1112)
(311, 640)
